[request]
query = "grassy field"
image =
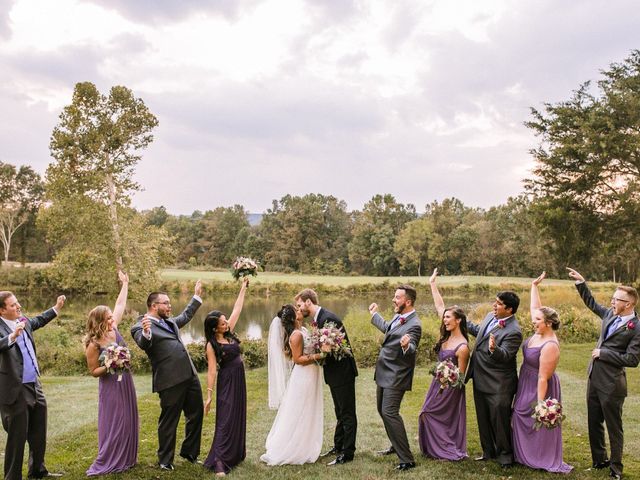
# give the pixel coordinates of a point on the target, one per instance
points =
(72, 442)
(295, 278)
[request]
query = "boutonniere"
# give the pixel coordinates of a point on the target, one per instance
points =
(502, 323)
(314, 324)
(403, 320)
(630, 326)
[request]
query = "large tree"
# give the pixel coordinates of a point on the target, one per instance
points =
(588, 162)
(96, 146)
(21, 191)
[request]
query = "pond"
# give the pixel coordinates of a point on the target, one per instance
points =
(257, 312)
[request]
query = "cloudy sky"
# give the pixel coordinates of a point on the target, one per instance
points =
(260, 98)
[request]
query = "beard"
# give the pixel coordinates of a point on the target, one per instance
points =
(163, 315)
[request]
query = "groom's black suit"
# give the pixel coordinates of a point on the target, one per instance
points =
(607, 385)
(341, 375)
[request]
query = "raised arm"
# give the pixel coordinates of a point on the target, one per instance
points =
(237, 307)
(549, 358)
(376, 319)
(190, 310)
(586, 295)
(435, 293)
(121, 302)
(535, 294)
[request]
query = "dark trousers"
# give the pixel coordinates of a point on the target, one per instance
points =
(604, 408)
(185, 397)
(388, 402)
(344, 403)
(25, 421)
(494, 425)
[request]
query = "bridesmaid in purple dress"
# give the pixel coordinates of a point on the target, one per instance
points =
(117, 405)
(442, 424)
(225, 364)
(540, 449)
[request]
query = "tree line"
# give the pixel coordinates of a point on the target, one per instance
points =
(585, 181)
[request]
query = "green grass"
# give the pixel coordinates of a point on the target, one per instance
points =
(347, 280)
(72, 442)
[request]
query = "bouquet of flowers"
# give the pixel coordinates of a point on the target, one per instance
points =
(116, 358)
(547, 413)
(332, 336)
(244, 266)
(448, 375)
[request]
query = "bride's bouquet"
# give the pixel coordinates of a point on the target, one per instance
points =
(244, 266)
(547, 413)
(331, 336)
(117, 359)
(448, 375)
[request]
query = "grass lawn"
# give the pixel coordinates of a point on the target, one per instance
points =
(73, 433)
(334, 280)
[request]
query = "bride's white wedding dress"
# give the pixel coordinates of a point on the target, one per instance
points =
(296, 434)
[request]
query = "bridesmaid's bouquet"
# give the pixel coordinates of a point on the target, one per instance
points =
(117, 359)
(448, 375)
(244, 266)
(547, 413)
(332, 336)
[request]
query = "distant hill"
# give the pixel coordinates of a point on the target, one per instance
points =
(254, 218)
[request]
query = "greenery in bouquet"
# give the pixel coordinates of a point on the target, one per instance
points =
(448, 375)
(547, 413)
(243, 267)
(116, 358)
(333, 337)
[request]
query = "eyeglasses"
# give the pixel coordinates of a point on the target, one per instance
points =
(614, 299)
(163, 303)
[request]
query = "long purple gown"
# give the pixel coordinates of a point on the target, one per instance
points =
(540, 449)
(117, 423)
(442, 424)
(229, 447)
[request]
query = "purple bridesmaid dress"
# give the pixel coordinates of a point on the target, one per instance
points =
(117, 423)
(229, 448)
(540, 449)
(442, 424)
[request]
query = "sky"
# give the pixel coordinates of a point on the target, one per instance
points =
(257, 99)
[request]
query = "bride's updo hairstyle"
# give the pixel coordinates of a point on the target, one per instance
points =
(287, 316)
(210, 326)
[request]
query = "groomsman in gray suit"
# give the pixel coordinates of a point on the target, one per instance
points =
(22, 403)
(174, 376)
(394, 368)
(495, 379)
(618, 347)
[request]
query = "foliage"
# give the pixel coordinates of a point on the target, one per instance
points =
(21, 192)
(96, 147)
(587, 169)
(225, 232)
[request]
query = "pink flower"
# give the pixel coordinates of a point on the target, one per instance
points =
(403, 320)
(631, 326)
(501, 323)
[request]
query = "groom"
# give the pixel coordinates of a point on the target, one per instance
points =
(174, 375)
(395, 367)
(340, 375)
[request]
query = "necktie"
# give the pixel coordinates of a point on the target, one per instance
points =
(164, 324)
(396, 322)
(613, 326)
(491, 326)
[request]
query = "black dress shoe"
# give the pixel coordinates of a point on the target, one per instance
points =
(615, 475)
(506, 465)
(340, 459)
(191, 459)
(166, 466)
(333, 451)
(601, 465)
(388, 451)
(405, 466)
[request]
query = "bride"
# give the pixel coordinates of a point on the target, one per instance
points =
(296, 434)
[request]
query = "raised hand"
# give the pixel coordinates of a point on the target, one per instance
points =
(492, 342)
(404, 341)
(432, 278)
(373, 308)
(575, 275)
(60, 302)
(146, 324)
(123, 277)
(18, 331)
(198, 288)
(538, 280)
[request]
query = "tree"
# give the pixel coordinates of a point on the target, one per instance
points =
(371, 250)
(412, 245)
(225, 232)
(588, 158)
(96, 146)
(21, 192)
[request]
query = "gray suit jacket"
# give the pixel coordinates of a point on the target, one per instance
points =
(621, 349)
(394, 368)
(170, 361)
(496, 372)
(11, 363)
